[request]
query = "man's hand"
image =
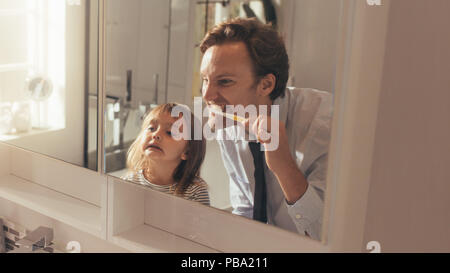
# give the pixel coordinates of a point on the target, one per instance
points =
(278, 157)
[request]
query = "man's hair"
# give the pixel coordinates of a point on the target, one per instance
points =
(265, 46)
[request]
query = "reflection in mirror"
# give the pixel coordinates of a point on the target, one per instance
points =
(136, 67)
(48, 78)
(159, 54)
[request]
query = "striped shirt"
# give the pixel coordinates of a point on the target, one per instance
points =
(197, 191)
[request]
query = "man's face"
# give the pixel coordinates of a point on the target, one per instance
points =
(228, 77)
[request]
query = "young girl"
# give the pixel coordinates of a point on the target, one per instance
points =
(156, 159)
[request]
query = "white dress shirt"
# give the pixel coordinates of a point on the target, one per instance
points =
(306, 114)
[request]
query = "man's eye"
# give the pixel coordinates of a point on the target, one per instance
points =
(225, 82)
(151, 129)
(169, 133)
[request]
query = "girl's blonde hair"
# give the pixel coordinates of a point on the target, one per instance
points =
(188, 170)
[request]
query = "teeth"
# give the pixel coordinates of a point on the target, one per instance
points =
(221, 111)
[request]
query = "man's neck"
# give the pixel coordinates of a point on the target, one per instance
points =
(265, 102)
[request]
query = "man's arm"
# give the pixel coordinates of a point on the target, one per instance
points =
(279, 160)
(303, 191)
(292, 181)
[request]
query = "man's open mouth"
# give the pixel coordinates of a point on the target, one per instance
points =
(217, 107)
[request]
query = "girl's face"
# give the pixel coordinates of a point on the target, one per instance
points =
(157, 142)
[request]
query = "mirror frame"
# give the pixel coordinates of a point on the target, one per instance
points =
(101, 86)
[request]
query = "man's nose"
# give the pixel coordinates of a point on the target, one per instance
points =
(209, 92)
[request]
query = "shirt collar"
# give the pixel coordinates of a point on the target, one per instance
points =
(283, 103)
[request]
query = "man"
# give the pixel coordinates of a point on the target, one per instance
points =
(245, 63)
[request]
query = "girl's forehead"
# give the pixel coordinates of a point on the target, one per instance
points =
(162, 118)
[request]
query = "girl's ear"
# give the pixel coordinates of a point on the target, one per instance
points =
(184, 156)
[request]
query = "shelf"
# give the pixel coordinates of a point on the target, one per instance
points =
(14, 67)
(15, 12)
(32, 132)
(61, 207)
(145, 238)
(119, 173)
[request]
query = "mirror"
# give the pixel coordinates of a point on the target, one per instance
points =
(48, 78)
(136, 70)
(153, 58)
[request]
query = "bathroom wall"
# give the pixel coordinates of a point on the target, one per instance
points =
(408, 206)
(312, 39)
(146, 50)
(136, 39)
(180, 51)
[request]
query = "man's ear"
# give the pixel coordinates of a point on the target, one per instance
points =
(266, 85)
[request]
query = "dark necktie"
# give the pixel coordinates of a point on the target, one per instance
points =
(259, 204)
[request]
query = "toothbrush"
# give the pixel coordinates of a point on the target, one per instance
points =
(218, 110)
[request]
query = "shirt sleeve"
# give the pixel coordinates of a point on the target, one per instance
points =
(307, 212)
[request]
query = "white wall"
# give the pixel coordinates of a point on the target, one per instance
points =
(180, 52)
(313, 41)
(136, 39)
(409, 205)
